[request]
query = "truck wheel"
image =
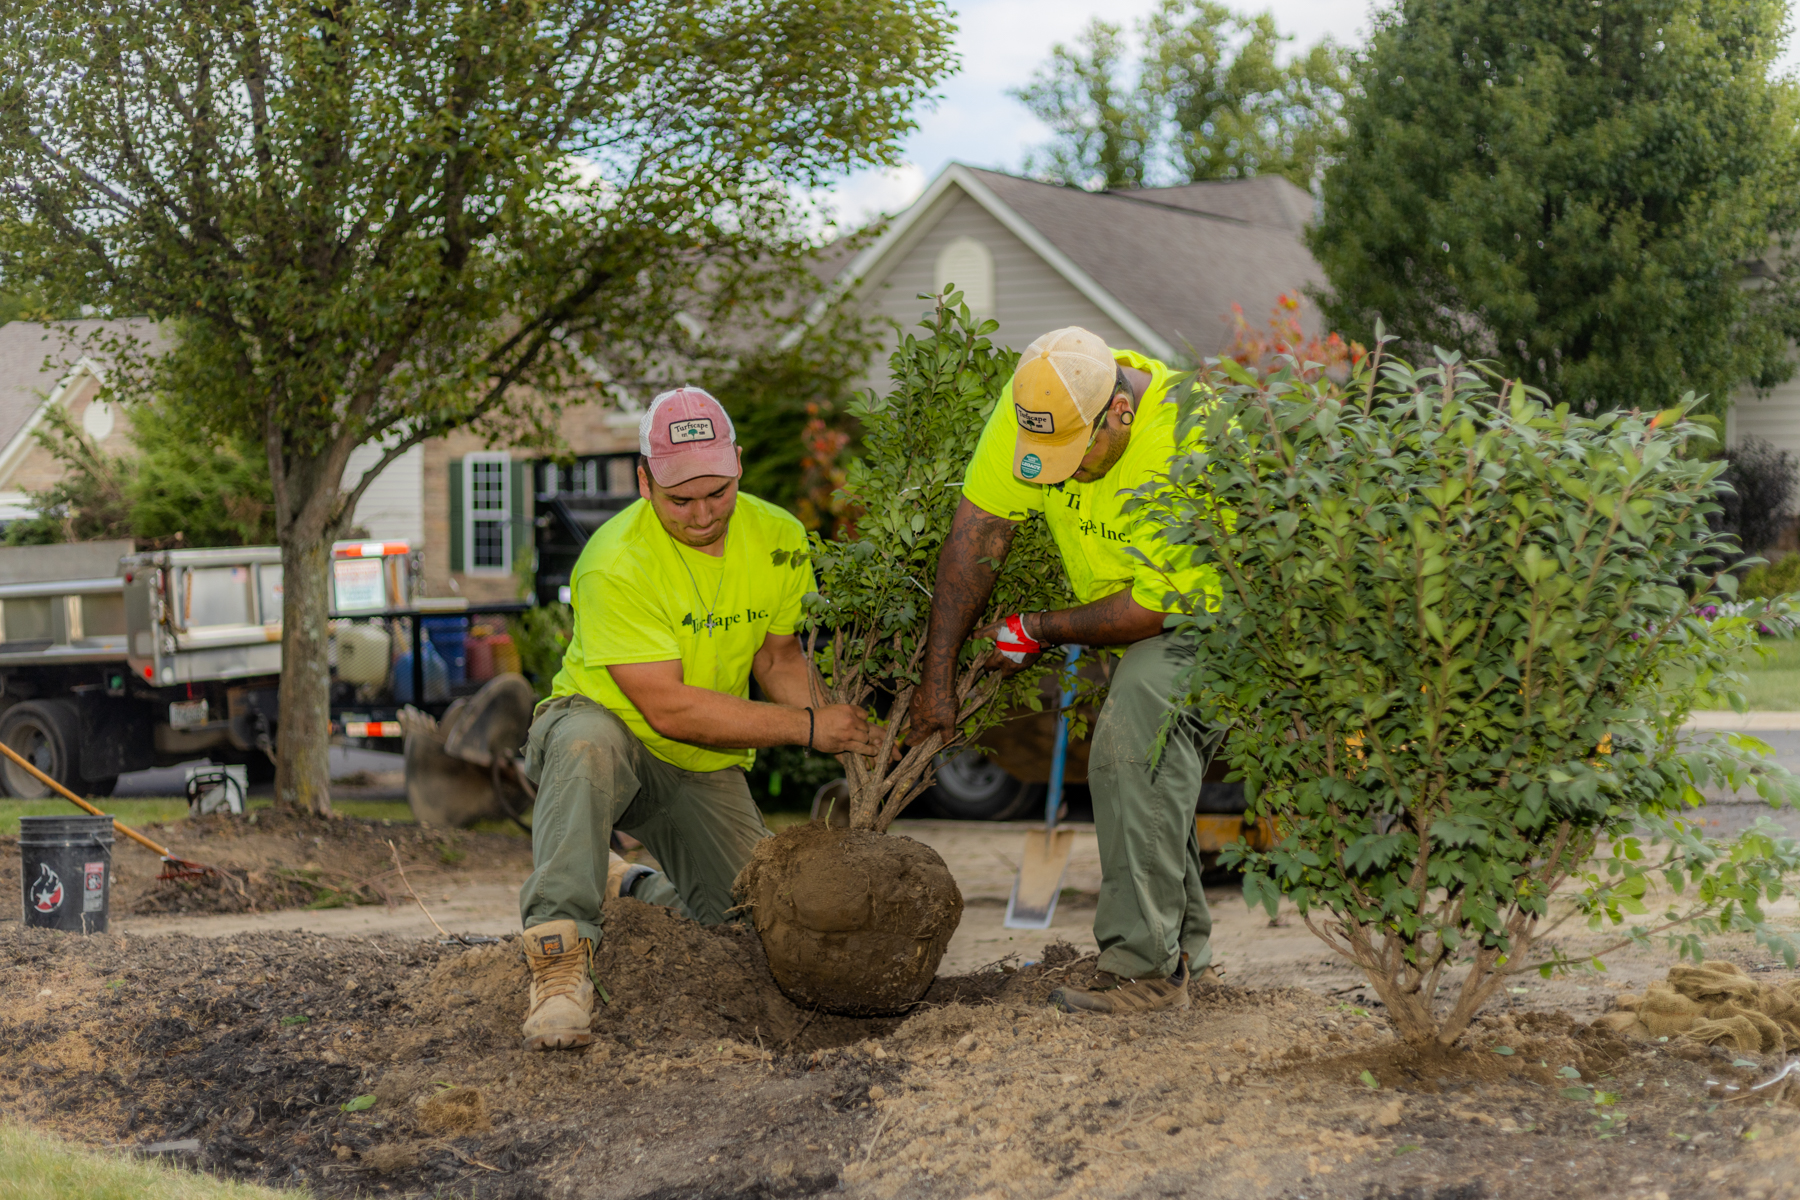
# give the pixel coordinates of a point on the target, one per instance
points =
(971, 788)
(47, 733)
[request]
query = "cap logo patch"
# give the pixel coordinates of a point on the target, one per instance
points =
(695, 429)
(1031, 466)
(1036, 422)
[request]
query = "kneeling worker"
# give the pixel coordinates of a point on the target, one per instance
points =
(1079, 426)
(649, 727)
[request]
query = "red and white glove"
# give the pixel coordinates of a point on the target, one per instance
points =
(1014, 642)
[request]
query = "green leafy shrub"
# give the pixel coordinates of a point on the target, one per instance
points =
(542, 635)
(866, 624)
(1770, 580)
(1458, 640)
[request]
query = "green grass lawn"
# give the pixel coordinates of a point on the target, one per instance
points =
(147, 810)
(33, 1166)
(1775, 679)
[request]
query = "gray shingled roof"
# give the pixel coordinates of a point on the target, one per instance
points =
(34, 357)
(1179, 257)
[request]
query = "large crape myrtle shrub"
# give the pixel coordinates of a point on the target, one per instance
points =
(866, 624)
(1460, 633)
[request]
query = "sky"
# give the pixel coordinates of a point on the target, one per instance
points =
(1001, 42)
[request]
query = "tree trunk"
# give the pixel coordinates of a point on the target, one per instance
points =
(303, 744)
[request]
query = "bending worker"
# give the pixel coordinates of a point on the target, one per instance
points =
(1078, 427)
(649, 727)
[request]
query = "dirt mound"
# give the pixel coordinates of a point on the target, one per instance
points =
(281, 860)
(662, 979)
(853, 921)
(1714, 1003)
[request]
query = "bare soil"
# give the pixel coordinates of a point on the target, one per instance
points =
(274, 861)
(707, 1082)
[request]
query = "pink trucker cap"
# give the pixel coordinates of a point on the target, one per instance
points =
(685, 434)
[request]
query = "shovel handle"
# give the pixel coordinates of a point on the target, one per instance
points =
(1059, 754)
(78, 802)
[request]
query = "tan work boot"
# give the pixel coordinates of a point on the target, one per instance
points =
(617, 869)
(1111, 994)
(562, 992)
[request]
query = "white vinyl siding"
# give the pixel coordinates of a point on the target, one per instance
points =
(393, 509)
(968, 265)
(1773, 417)
(1030, 296)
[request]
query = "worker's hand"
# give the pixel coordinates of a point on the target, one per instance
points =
(841, 728)
(993, 660)
(933, 710)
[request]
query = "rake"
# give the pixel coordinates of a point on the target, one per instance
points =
(173, 867)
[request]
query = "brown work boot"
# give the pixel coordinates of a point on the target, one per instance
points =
(562, 992)
(1112, 994)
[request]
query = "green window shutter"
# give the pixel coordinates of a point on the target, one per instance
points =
(520, 507)
(457, 516)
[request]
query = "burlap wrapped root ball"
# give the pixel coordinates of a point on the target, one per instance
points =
(853, 921)
(1715, 1003)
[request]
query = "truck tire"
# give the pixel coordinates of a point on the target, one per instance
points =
(48, 733)
(971, 788)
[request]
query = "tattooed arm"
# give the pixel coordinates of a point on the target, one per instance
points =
(1116, 620)
(967, 568)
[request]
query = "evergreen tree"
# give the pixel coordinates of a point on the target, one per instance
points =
(1599, 197)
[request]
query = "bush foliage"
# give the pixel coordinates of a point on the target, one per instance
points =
(1458, 640)
(866, 624)
(1760, 500)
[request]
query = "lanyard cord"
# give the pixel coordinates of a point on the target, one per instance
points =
(698, 594)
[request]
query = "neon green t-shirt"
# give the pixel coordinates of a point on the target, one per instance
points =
(1087, 520)
(640, 596)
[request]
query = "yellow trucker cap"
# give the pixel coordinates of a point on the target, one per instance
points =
(1062, 382)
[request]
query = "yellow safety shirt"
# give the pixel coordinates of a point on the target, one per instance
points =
(1087, 520)
(640, 596)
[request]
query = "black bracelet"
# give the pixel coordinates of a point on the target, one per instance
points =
(809, 728)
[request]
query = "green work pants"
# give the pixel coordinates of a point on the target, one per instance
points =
(1152, 908)
(593, 775)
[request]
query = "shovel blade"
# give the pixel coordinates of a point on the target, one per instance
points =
(1039, 881)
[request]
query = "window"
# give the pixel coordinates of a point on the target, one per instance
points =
(969, 265)
(487, 513)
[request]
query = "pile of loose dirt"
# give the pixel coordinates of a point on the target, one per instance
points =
(664, 981)
(393, 1067)
(279, 860)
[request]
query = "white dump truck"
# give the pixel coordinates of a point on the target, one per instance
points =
(112, 660)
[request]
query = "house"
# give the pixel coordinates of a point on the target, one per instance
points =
(59, 365)
(468, 507)
(1152, 269)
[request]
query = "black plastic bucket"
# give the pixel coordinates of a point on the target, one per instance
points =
(67, 871)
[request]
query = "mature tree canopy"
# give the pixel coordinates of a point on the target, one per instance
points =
(1207, 99)
(1596, 196)
(374, 222)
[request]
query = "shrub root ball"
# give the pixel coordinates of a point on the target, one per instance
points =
(853, 921)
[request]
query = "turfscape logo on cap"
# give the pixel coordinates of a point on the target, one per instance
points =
(695, 429)
(46, 894)
(1031, 466)
(1036, 422)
